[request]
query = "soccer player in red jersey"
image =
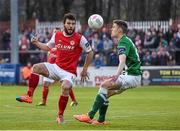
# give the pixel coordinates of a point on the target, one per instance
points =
(47, 82)
(69, 46)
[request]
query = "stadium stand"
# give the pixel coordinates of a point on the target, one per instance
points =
(157, 44)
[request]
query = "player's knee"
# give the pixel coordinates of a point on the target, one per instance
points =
(35, 68)
(66, 85)
(105, 84)
(40, 69)
(46, 84)
(65, 91)
(102, 91)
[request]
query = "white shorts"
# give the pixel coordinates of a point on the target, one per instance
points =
(45, 79)
(58, 74)
(129, 81)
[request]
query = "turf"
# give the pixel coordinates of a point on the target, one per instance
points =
(145, 108)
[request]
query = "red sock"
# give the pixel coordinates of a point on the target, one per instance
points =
(45, 93)
(33, 82)
(63, 100)
(71, 94)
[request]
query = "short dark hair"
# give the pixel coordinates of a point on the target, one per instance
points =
(70, 16)
(122, 24)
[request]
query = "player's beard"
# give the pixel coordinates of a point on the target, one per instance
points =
(68, 33)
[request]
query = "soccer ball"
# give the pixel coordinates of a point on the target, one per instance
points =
(95, 21)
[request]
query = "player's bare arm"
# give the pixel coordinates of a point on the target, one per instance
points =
(84, 74)
(40, 68)
(121, 66)
(111, 84)
(40, 45)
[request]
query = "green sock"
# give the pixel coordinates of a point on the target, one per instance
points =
(102, 111)
(97, 104)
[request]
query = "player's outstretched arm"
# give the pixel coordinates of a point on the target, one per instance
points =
(40, 45)
(84, 74)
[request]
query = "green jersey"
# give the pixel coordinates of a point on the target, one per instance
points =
(127, 47)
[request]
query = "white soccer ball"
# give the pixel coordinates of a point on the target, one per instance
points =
(95, 21)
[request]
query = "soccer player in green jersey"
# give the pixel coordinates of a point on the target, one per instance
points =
(128, 57)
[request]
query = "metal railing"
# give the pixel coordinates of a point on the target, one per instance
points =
(145, 25)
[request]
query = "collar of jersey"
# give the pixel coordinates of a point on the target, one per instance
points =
(67, 35)
(122, 37)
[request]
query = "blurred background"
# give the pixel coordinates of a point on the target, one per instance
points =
(130, 10)
(154, 26)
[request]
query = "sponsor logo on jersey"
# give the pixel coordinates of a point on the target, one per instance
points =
(64, 47)
(72, 42)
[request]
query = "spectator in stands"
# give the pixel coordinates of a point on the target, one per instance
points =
(141, 53)
(104, 34)
(100, 47)
(169, 34)
(26, 72)
(154, 58)
(87, 32)
(2, 61)
(141, 33)
(163, 56)
(6, 40)
(24, 43)
(147, 58)
(95, 41)
(132, 33)
(113, 59)
(178, 39)
(174, 40)
(171, 61)
(149, 40)
(163, 42)
(98, 62)
(138, 41)
(107, 45)
(24, 46)
(115, 41)
(172, 49)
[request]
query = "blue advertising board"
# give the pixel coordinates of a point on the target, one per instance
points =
(9, 73)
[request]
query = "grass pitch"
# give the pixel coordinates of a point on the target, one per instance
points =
(145, 108)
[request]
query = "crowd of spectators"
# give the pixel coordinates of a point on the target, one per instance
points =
(155, 47)
(28, 52)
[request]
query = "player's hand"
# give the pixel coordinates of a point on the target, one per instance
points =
(84, 75)
(115, 77)
(34, 40)
(56, 30)
(54, 49)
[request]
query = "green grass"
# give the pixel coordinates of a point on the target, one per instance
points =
(148, 108)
